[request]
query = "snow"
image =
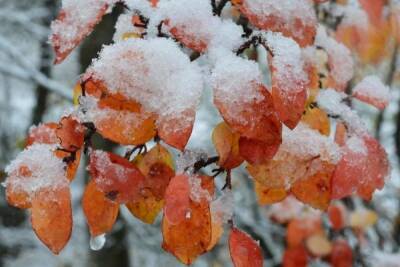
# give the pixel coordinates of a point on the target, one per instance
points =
(356, 145)
(163, 81)
(305, 143)
(42, 134)
(287, 62)
(125, 26)
(340, 61)
(222, 207)
(198, 193)
(75, 21)
(36, 168)
(288, 12)
(332, 102)
(195, 19)
(235, 81)
(186, 160)
(371, 90)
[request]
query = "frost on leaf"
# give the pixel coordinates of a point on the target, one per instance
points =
(341, 65)
(119, 179)
(100, 212)
(362, 169)
(158, 169)
(371, 90)
(51, 216)
(303, 162)
(193, 24)
(289, 79)
(226, 143)
(293, 18)
(34, 169)
(157, 79)
(244, 250)
(75, 21)
(190, 235)
(246, 105)
(44, 133)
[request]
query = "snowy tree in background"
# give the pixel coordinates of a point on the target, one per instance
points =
(209, 107)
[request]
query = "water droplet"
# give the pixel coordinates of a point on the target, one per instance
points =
(188, 215)
(97, 242)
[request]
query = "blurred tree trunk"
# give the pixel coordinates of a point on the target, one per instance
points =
(45, 64)
(115, 252)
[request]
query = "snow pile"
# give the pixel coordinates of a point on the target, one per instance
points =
(236, 83)
(372, 91)
(154, 73)
(292, 17)
(36, 168)
(193, 19)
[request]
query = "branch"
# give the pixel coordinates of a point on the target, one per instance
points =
(27, 71)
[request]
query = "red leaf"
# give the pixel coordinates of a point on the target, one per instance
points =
(115, 176)
(245, 252)
(73, 24)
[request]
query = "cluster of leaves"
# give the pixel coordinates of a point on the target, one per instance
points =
(145, 87)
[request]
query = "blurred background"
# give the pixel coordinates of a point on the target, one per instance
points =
(32, 90)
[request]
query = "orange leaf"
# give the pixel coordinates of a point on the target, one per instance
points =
(245, 251)
(70, 133)
(266, 195)
(315, 190)
(100, 212)
(52, 217)
(317, 119)
(146, 208)
(190, 237)
(117, 118)
(226, 143)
